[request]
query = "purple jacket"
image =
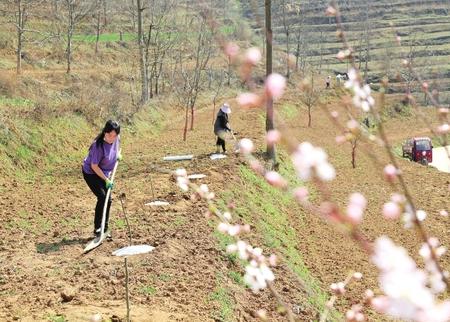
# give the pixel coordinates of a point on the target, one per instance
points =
(104, 155)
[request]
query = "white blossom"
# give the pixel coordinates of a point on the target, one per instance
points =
(407, 295)
(362, 94)
(309, 160)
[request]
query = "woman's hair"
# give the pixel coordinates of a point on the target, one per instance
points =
(109, 127)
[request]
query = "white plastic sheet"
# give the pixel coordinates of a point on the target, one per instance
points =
(196, 176)
(133, 250)
(217, 156)
(178, 157)
(157, 203)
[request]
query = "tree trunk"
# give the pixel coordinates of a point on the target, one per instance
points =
(229, 71)
(270, 149)
(144, 79)
(97, 31)
(354, 154)
(192, 118)
(288, 74)
(186, 123)
(20, 29)
(309, 116)
(69, 39)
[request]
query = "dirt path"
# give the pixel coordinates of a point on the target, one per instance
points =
(440, 159)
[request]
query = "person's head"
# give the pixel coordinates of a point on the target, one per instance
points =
(226, 108)
(109, 133)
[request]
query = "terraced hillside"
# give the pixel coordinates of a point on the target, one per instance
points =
(371, 27)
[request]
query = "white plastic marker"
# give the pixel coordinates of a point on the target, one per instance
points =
(133, 250)
(97, 241)
(178, 157)
(196, 176)
(130, 251)
(217, 156)
(157, 203)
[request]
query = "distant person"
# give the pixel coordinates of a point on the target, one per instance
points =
(221, 126)
(97, 167)
(328, 81)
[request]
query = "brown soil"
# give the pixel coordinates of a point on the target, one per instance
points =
(45, 226)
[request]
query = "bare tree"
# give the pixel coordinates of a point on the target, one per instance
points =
(142, 57)
(310, 94)
(187, 76)
(159, 39)
(19, 11)
(99, 21)
(72, 14)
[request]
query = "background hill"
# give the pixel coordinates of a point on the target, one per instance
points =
(371, 28)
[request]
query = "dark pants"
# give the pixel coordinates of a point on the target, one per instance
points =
(221, 142)
(97, 186)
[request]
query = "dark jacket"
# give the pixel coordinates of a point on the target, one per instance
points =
(221, 123)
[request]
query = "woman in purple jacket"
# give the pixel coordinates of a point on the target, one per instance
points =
(97, 167)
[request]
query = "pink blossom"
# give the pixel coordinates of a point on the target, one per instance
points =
(338, 288)
(181, 172)
(309, 161)
(256, 166)
(444, 128)
(341, 55)
(301, 194)
(352, 125)
(398, 198)
(358, 199)
(249, 100)
(421, 215)
(273, 136)
(368, 294)
(355, 213)
(407, 295)
(331, 11)
(275, 179)
(262, 314)
(334, 114)
(246, 146)
(357, 276)
(275, 85)
(231, 50)
(443, 110)
(391, 210)
(183, 183)
(340, 139)
(223, 227)
(233, 230)
(390, 172)
(273, 260)
(227, 215)
(253, 56)
(443, 213)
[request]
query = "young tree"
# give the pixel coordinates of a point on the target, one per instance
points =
(72, 13)
(310, 94)
(187, 76)
(142, 58)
